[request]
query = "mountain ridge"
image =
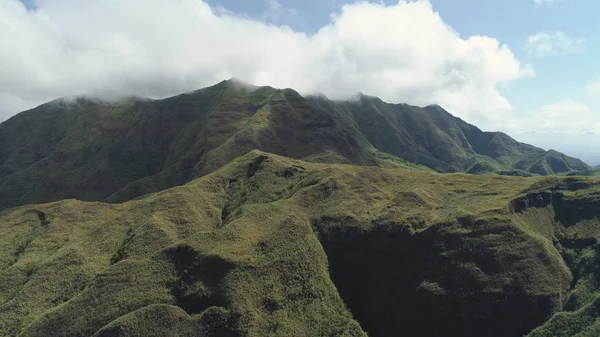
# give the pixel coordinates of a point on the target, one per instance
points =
(90, 150)
(464, 135)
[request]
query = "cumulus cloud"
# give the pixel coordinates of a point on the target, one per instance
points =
(156, 48)
(557, 43)
(567, 117)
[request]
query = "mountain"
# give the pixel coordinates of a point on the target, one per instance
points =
(271, 246)
(93, 150)
(237, 210)
(433, 137)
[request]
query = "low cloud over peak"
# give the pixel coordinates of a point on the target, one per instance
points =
(156, 48)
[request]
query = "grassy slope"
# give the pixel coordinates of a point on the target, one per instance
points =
(92, 263)
(271, 246)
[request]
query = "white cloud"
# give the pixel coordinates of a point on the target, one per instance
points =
(401, 53)
(276, 12)
(557, 43)
(274, 5)
(545, 2)
(593, 88)
(566, 117)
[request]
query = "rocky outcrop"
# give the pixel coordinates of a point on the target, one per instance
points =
(537, 200)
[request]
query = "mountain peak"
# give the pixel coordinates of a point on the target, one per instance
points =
(435, 106)
(234, 83)
(236, 80)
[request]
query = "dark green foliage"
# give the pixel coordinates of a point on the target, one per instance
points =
(441, 281)
(198, 279)
(432, 137)
(589, 173)
(570, 324)
(515, 173)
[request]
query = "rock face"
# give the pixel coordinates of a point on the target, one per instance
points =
(536, 200)
(438, 282)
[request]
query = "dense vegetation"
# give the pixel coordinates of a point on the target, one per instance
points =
(337, 226)
(588, 173)
(433, 137)
(97, 151)
(269, 246)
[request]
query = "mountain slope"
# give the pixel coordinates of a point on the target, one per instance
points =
(98, 151)
(269, 246)
(91, 150)
(433, 137)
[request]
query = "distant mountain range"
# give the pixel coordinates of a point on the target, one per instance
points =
(88, 149)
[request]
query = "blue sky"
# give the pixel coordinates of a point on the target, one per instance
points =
(560, 76)
(555, 44)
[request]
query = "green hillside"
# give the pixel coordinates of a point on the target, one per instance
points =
(270, 246)
(91, 150)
